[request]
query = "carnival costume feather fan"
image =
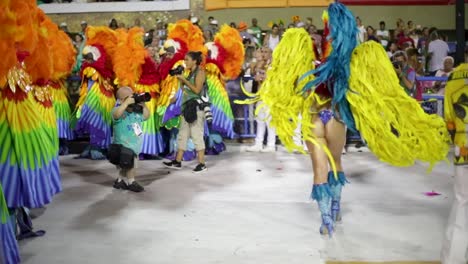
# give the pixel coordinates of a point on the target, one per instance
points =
(224, 61)
(28, 166)
(129, 56)
(8, 245)
(153, 142)
(183, 37)
(282, 93)
(183, 30)
(29, 171)
(8, 34)
(394, 125)
(93, 114)
(135, 68)
(63, 57)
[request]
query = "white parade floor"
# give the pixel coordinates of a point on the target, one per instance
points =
(247, 208)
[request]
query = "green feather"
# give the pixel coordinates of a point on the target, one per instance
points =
(3, 207)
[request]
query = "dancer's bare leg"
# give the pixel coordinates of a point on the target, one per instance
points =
(335, 134)
(317, 155)
(321, 190)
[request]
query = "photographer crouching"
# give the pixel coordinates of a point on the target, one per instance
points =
(192, 120)
(405, 72)
(128, 116)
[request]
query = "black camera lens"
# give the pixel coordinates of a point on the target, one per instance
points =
(178, 70)
(142, 97)
(396, 64)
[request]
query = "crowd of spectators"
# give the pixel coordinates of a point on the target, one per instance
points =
(421, 50)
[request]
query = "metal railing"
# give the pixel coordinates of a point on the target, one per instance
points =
(432, 103)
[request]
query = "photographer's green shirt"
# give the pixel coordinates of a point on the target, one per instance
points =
(188, 94)
(128, 130)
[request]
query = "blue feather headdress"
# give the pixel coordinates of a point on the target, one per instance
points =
(336, 69)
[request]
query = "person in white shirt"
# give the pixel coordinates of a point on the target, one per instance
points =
(438, 50)
(439, 86)
(383, 35)
(362, 34)
(272, 39)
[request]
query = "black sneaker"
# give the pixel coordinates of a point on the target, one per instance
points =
(173, 165)
(120, 185)
(135, 187)
(199, 168)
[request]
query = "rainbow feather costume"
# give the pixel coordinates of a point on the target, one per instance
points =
(64, 58)
(225, 59)
(93, 113)
(62, 109)
(183, 36)
(29, 170)
(9, 253)
(153, 142)
(135, 68)
(25, 163)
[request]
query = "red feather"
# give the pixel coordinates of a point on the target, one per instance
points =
(166, 65)
(103, 65)
(218, 61)
(149, 75)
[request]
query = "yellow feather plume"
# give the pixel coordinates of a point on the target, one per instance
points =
(39, 64)
(129, 56)
(62, 50)
(7, 40)
(281, 92)
(394, 125)
(27, 24)
(103, 36)
(190, 34)
(64, 56)
(230, 39)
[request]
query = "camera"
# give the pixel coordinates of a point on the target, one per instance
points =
(397, 64)
(139, 98)
(205, 107)
(178, 70)
(208, 114)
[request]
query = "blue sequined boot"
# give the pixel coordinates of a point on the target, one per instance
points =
(322, 194)
(336, 184)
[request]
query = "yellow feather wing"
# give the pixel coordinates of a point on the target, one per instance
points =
(393, 124)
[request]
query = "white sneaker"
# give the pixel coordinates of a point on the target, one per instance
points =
(254, 148)
(268, 149)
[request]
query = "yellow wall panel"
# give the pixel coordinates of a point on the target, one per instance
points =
(256, 3)
(215, 4)
(220, 4)
(309, 2)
